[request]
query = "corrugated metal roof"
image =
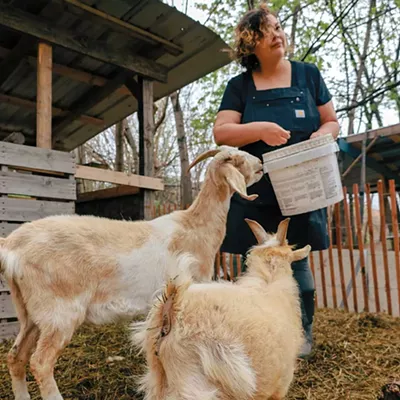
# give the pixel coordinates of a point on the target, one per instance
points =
(201, 55)
(383, 157)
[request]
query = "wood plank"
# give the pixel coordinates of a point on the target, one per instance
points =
(17, 155)
(350, 246)
(7, 309)
(360, 241)
(126, 27)
(312, 266)
(38, 186)
(3, 284)
(30, 210)
(86, 102)
(8, 330)
(7, 228)
(44, 93)
(18, 101)
(107, 193)
(47, 30)
(97, 174)
(217, 265)
(372, 248)
(338, 227)
(385, 131)
(384, 246)
(331, 262)
(14, 57)
(146, 139)
(72, 73)
(395, 227)
(323, 280)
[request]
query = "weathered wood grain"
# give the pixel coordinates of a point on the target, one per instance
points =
(8, 330)
(7, 228)
(30, 210)
(7, 309)
(39, 186)
(17, 155)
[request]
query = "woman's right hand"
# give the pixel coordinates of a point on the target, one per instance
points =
(273, 134)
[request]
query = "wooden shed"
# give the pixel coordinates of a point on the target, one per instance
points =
(69, 69)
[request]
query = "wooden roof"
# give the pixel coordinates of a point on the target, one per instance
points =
(383, 156)
(100, 47)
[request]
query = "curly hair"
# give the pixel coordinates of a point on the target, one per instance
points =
(253, 26)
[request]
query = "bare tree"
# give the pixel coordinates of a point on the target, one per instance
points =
(186, 182)
(361, 66)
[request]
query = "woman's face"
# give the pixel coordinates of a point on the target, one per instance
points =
(273, 44)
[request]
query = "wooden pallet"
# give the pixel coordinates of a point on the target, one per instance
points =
(34, 183)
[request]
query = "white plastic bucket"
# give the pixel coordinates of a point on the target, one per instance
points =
(305, 176)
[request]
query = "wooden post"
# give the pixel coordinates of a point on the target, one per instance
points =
(361, 246)
(231, 271)
(350, 245)
(384, 246)
(340, 255)
(239, 266)
(311, 257)
(323, 280)
(146, 135)
(217, 265)
(395, 226)
(331, 263)
(224, 266)
(43, 96)
(119, 145)
(372, 248)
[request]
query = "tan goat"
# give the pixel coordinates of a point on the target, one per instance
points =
(67, 270)
(223, 340)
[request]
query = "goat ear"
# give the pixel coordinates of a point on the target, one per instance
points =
(301, 253)
(282, 231)
(257, 230)
(237, 183)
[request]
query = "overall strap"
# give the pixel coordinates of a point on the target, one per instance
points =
(304, 79)
(245, 86)
(299, 75)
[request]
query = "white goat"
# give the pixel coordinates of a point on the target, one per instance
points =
(222, 340)
(67, 270)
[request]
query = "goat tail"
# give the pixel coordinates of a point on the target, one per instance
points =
(9, 266)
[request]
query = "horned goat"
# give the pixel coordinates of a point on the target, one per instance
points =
(223, 340)
(67, 270)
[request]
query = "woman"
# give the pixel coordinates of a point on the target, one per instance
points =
(276, 102)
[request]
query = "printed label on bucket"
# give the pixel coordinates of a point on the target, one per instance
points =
(313, 186)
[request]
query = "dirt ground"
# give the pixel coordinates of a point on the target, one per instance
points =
(355, 354)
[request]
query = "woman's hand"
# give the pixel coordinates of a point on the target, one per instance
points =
(272, 134)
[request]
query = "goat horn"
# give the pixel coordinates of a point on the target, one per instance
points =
(203, 156)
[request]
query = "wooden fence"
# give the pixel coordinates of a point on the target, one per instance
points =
(34, 183)
(361, 269)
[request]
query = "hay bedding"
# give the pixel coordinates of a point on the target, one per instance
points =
(356, 354)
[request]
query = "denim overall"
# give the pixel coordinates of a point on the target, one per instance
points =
(293, 109)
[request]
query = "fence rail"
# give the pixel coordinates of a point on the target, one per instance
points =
(360, 271)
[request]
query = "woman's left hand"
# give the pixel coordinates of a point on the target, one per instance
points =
(317, 134)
